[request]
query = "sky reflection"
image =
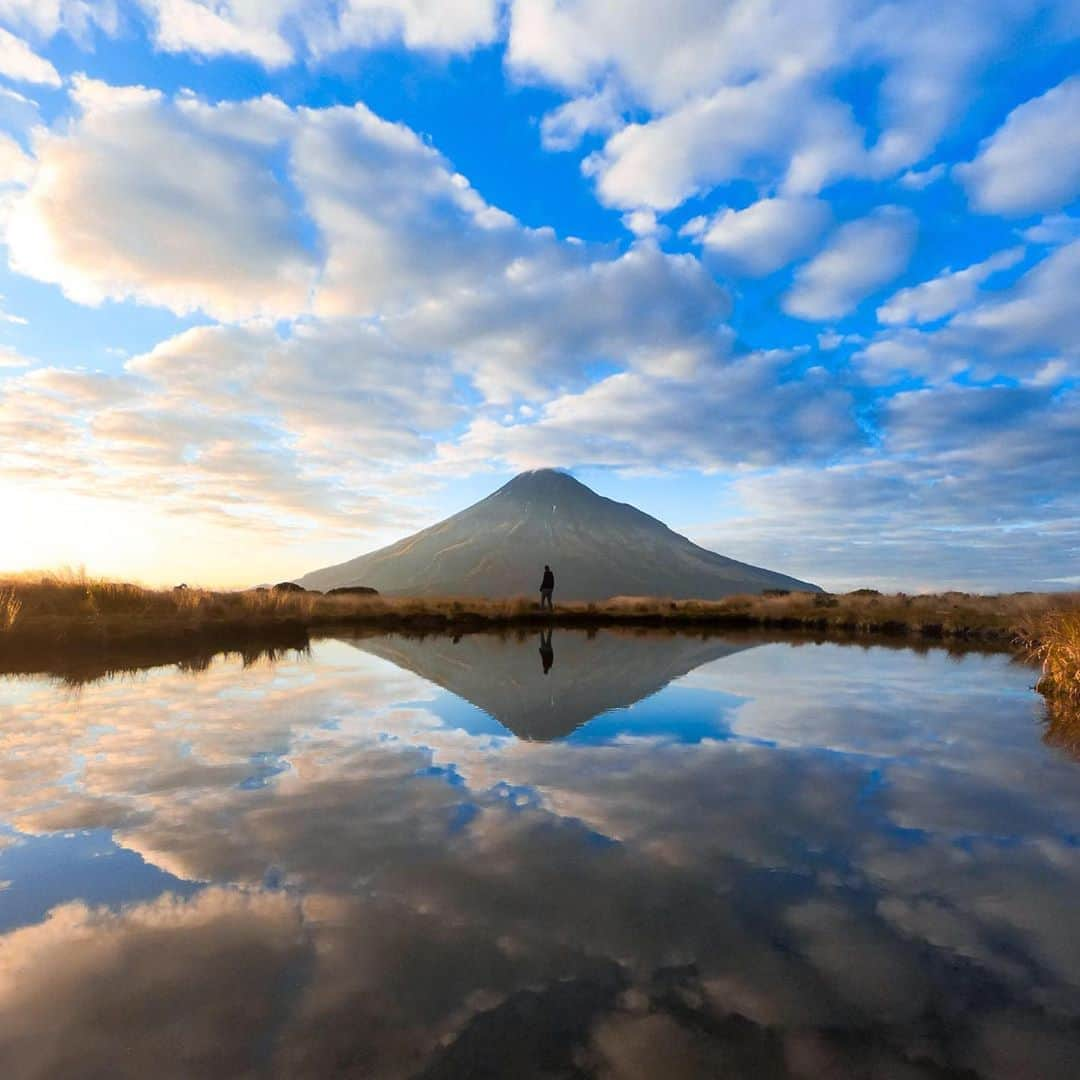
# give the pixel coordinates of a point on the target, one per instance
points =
(791, 861)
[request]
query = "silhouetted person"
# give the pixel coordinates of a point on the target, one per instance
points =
(547, 587)
(547, 653)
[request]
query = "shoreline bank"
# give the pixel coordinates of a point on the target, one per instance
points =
(80, 659)
(49, 621)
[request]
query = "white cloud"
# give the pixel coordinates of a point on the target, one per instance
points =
(946, 293)
(21, 64)
(916, 180)
(333, 391)
(18, 113)
(667, 55)
(747, 89)
(515, 309)
(975, 491)
(44, 18)
(137, 199)
(12, 358)
(762, 126)
(859, 258)
(1029, 331)
(563, 128)
(16, 167)
(930, 56)
(1055, 229)
(239, 425)
(741, 90)
(420, 24)
(274, 33)
(216, 29)
(414, 295)
(734, 90)
(1038, 314)
(540, 325)
(908, 352)
(399, 225)
(422, 293)
(1032, 162)
(767, 234)
(277, 32)
(400, 236)
(828, 340)
(730, 414)
(643, 223)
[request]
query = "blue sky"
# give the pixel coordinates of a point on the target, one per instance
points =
(283, 282)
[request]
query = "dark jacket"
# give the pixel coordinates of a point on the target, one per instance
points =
(548, 581)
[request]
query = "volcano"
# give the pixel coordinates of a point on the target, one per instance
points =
(597, 547)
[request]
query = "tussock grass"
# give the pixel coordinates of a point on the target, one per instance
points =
(68, 620)
(953, 615)
(72, 593)
(1053, 641)
(70, 606)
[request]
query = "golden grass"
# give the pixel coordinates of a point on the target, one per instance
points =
(1053, 641)
(69, 605)
(73, 593)
(10, 606)
(1058, 650)
(75, 623)
(952, 614)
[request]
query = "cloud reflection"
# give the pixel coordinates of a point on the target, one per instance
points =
(872, 872)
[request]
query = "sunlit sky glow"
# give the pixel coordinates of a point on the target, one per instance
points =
(284, 281)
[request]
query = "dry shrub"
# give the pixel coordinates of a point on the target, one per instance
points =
(1054, 641)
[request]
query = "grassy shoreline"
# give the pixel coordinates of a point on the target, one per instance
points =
(1054, 644)
(79, 629)
(47, 613)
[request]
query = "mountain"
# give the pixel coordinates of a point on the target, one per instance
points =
(598, 548)
(562, 681)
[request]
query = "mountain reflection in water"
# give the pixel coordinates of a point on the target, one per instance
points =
(593, 676)
(789, 862)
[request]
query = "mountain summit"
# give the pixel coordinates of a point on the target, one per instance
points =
(597, 547)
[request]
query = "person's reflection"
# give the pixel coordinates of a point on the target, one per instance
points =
(547, 653)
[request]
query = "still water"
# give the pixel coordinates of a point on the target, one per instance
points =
(612, 856)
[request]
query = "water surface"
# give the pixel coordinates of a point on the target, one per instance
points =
(613, 856)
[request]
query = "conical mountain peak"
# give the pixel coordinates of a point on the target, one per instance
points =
(540, 475)
(597, 547)
(542, 481)
(540, 488)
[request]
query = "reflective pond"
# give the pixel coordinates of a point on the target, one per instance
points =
(564, 855)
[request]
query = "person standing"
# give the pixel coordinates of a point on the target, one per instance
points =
(547, 587)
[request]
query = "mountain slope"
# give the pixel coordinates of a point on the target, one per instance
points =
(598, 548)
